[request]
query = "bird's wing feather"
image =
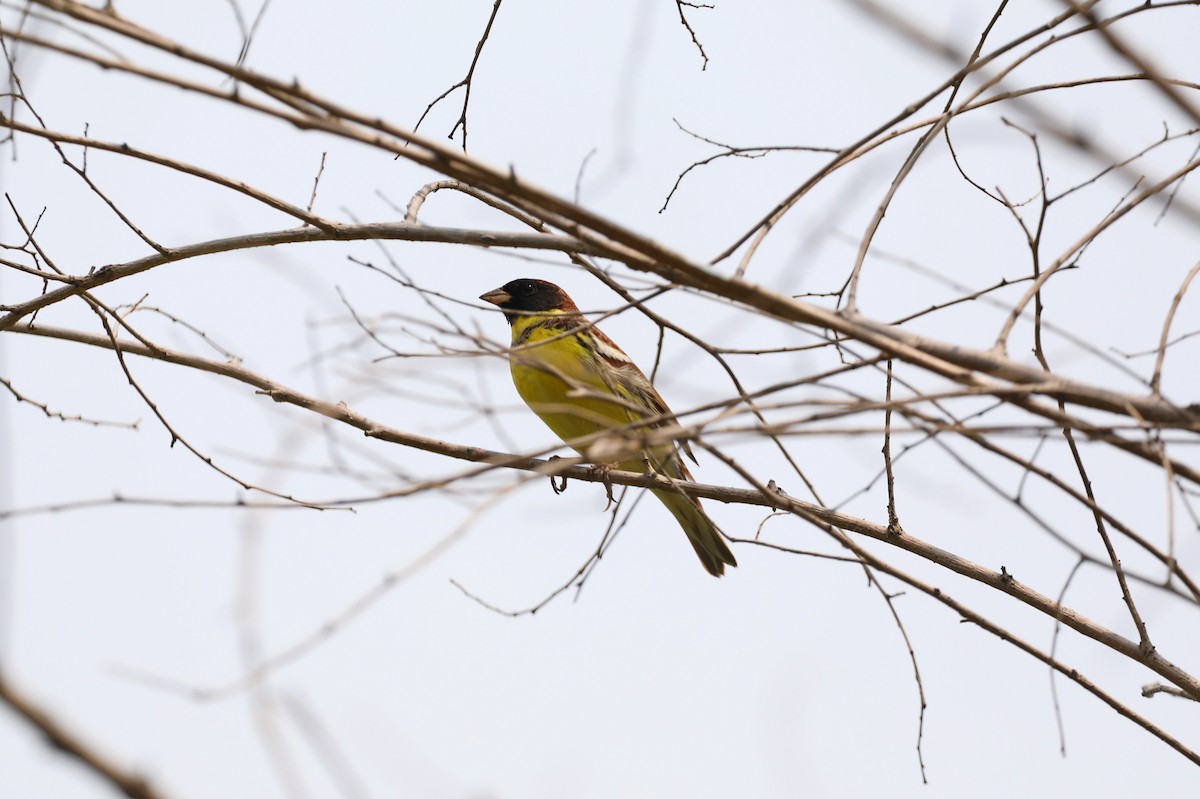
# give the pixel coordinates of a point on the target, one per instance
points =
(600, 363)
(625, 378)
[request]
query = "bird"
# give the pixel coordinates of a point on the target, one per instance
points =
(580, 383)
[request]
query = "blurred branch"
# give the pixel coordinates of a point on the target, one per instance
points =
(60, 738)
(1044, 118)
(1151, 689)
(149, 502)
(1164, 339)
(756, 234)
(1135, 57)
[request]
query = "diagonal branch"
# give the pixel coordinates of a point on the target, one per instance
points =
(464, 84)
(71, 744)
(397, 231)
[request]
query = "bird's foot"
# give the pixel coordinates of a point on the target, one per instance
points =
(561, 485)
(601, 471)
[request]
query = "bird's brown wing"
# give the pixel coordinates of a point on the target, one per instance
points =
(625, 378)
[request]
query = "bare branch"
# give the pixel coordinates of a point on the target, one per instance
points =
(59, 737)
(465, 83)
(679, 6)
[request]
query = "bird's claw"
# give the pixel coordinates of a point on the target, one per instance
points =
(561, 486)
(601, 471)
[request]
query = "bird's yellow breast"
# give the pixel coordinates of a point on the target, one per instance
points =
(555, 374)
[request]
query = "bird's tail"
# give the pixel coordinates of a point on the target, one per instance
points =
(703, 534)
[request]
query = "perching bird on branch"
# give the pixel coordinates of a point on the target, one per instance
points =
(580, 383)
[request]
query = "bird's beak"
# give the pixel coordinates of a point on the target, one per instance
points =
(496, 297)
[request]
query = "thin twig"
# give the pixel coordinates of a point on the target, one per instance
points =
(679, 6)
(465, 83)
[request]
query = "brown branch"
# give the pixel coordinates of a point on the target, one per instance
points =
(465, 83)
(1135, 57)
(80, 171)
(893, 519)
(1085, 240)
(923, 141)
(836, 530)
(731, 151)
(45, 409)
(756, 233)
(1072, 674)
(149, 502)
(1172, 565)
(174, 165)
(679, 6)
(1054, 125)
(104, 313)
(1151, 689)
(1126, 596)
(59, 737)
(398, 231)
(1156, 380)
(570, 468)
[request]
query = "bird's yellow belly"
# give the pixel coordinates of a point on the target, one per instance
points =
(557, 384)
(568, 411)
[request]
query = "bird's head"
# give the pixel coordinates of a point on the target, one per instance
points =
(527, 296)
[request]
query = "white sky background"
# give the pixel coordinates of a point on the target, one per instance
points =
(787, 677)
